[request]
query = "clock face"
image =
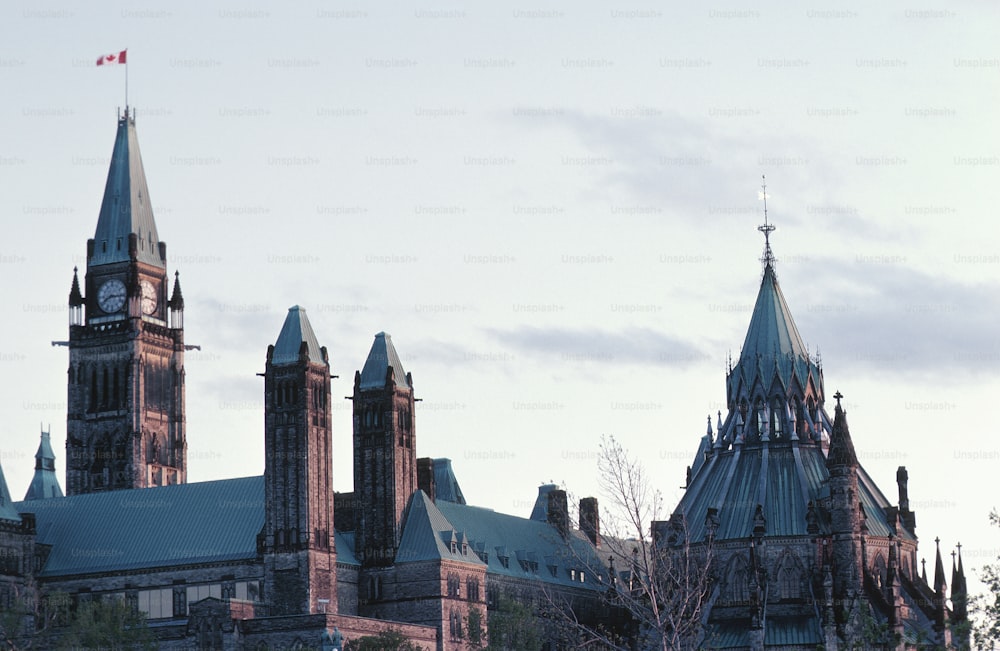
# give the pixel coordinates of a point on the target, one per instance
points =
(148, 296)
(111, 296)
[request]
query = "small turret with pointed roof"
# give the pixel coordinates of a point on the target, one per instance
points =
(940, 584)
(177, 298)
(44, 484)
(176, 303)
(959, 592)
(841, 446)
(75, 295)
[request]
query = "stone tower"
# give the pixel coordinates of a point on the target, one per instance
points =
(297, 542)
(125, 423)
(385, 465)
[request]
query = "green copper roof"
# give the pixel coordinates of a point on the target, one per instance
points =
(296, 331)
(772, 330)
(208, 522)
(534, 550)
(7, 506)
(126, 208)
(381, 357)
(772, 347)
(446, 486)
(783, 478)
(44, 484)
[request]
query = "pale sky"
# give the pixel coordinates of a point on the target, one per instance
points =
(552, 208)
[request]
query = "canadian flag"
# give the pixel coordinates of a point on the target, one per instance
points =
(118, 57)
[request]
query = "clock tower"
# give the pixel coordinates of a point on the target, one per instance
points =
(125, 402)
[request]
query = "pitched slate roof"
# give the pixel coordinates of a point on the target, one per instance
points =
(185, 524)
(772, 347)
(44, 484)
(446, 486)
(540, 511)
(506, 544)
(8, 510)
(783, 478)
(126, 207)
(294, 332)
(381, 357)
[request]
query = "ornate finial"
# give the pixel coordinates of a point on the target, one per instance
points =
(766, 228)
(838, 396)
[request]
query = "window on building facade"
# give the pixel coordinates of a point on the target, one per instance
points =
(157, 604)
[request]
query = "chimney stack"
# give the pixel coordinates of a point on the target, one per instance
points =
(558, 511)
(425, 477)
(590, 520)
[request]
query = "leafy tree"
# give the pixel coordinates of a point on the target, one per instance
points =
(107, 625)
(389, 640)
(513, 625)
(474, 627)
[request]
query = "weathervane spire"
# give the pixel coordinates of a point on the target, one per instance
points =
(766, 228)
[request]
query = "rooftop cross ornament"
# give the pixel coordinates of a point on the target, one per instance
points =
(766, 228)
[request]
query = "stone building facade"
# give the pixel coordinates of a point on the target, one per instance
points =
(277, 561)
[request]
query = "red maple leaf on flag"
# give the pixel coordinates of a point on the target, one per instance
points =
(119, 57)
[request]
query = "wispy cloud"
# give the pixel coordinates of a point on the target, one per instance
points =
(889, 318)
(628, 346)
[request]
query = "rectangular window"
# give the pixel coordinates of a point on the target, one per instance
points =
(157, 604)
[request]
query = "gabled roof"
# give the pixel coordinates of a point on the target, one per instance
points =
(506, 544)
(7, 505)
(126, 208)
(294, 332)
(44, 484)
(381, 357)
(427, 534)
(534, 550)
(207, 522)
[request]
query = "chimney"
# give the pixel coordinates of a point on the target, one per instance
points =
(590, 520)
(558, 511)
(425, 477)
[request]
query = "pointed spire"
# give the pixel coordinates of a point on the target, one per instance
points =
(766, 228)
(381, 358)
(296, 333)
(45, 483)
(75, 295)
(841, 451)
(126, 210)
(177, 298)
(940, 585)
